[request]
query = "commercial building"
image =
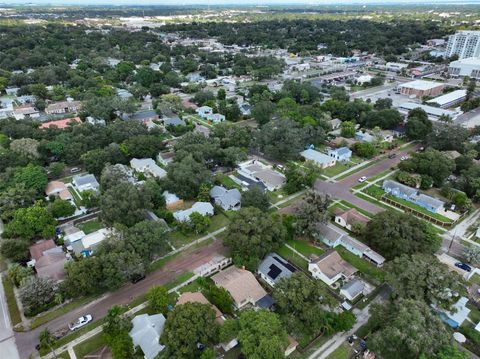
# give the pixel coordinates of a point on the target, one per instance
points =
(434, 113)
(449, 99)
(395, 66)
(465, 67)
(421, 88)
(464, 44)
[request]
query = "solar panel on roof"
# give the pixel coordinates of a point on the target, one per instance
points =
(285, 264)
(274, 271)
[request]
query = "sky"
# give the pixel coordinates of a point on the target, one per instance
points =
(232, 2)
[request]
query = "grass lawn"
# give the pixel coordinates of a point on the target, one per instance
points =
(42, 319)
(304, 247)
(289, 255)
(342, 352)
(335, 170)
(90, 345)
(374, 201)
(226, 181)
(368, 164)
(367, 268)
(380, 175)
(474, 314)
(195, 286)
(276, 196)
(475, 279)
(90, 226)
(366, 329)
(179, 280)
(76, 198)
(12, 305)
(374, 191)
(161, 262)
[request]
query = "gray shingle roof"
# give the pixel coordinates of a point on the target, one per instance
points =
(275, 267)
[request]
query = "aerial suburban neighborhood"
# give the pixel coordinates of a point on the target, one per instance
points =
(236, 181)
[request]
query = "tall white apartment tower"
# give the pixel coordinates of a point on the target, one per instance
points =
(464, 44)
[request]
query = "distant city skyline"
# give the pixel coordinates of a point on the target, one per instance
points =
(236, 2)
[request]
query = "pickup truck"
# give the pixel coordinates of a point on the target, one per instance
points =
(80, 322)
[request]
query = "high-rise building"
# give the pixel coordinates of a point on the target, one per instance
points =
(464, 44)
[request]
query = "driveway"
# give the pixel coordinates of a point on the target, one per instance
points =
(188, 261)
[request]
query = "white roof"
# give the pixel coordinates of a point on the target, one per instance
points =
(467, 61)
(421, 85)
(430, 110)
(204, 208)
(316, 156)
(94, 238)
(146, 333)
(170, 197)
(148, 164)
(449, 97)
(461, 311)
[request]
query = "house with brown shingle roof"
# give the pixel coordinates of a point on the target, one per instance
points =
(330, 267)
(347, 218)
(48, 259)
(58, 188)
(241, 284)
(197, 297)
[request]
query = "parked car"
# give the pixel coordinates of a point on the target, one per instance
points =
(74, 170)
(463, 266)
(403, 158)
(392, 155)
(362, 179)
(82, 321)
(137, 278)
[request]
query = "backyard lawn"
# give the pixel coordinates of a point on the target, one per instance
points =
(304, 247)
(374, 191)
(90, 226)
(342, 352)
(289, 255)
(367, 268)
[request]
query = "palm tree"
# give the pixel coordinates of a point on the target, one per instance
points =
(47, 340)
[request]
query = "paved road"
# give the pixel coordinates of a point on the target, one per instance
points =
(8, 349)
(189, 261)
(341, 189)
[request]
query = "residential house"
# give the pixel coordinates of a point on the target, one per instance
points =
(123, 94)
(353, 289)
(12, 91)
(216, 118)
(173, 121)
(245, 109)
(273, 268)
(95, 121)
(335, 123)
(25, 111)
(61, 124)
(63, 107)
(85, 182)
(48, 259)
(86, 245)
(330, 267)
(347, 218)
(334, 237)
(59, 189)
(413, 195)
(203, 208)
(146, 332)
(204, 111)
(257, 171)
(227, 199)
(197, 297)
(241, 284)
(148, 167)
(195, 77)
(340, 154)
(457, 315)
(292, 346)
(320, 159)
(364, 136)
(165, 158)
(171, 200)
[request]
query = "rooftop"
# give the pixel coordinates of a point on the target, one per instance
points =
(449, 97)
(275, 267)
(331, 264)
(421, 85)
(61, 124)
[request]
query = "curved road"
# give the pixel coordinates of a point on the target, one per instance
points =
(188, 261)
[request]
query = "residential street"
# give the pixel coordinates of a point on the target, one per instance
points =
(189, 260)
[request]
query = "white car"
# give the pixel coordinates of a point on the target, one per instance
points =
(362, 179)
(403, 158)
(80, 322)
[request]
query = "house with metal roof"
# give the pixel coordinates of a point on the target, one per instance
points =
(148, 167)
(410, 194)
(353, 289)
(320, 159)
(85, 182)
(274, 268)
(340, 154)
(228, 199)
(203, 208)
(146, 332)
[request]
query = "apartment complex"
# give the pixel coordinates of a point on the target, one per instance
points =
(465, 44)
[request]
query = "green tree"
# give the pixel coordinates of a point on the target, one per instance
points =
(31, 176)
(60, 208)
(261, 335)
(347, 129)
(18, 273)
(56, 168)
(15, 249)
(37, 294)
(252, 234)
(407, 329)
(300, 177)
(15, 197)
(115, 332)
(149, 239)
(47, 341)
(406, 233)
(186, 176)
(257, 198)
(418, 125)
(452, 352)
(158, 299)
(220, 298)
(312, 211)
(186, 326)
(364, 149)
(423, 277)
(263, 112)
(30, 223)
(301, 302)
(199, 223)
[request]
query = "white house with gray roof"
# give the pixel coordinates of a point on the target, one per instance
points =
(273, 268)
(353, 289)
(228, 199)
(320, 159)
(203, 208)
(148, 167)
(146, 332)
(85, 182)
